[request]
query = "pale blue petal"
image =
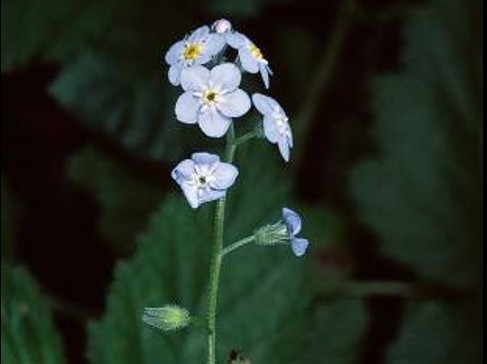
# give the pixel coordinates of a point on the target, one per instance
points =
(187, 107)
(205, 158)
(290, 137)
(194, 78)
(236, 40)
(213, 123)
(225, 176)
(174, 74)
(174, 53)
(265, 74)
(209, 194)
(225, 77)
(214, 44)
(270, 129)
(234, 104)
(266, 105)
(183, 171)
(299, 246)
(292, 221)
(249, 63)
(283, 148)
(199, 34)
(203, 58)
(191, 194)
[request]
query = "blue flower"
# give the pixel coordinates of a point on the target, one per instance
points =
(250, 56)
(276, 126)
(204, 178)
(293, 224)
(197, 48)
(212, 98)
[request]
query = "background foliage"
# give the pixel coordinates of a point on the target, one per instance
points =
(386, 104)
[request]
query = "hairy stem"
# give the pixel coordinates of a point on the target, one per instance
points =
(216, 258)
(237, 245)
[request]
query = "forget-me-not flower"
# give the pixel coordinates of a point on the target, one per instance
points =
(211, 98)
(283, 232)
(204, 178)
(293, 224)
(197, 48)
(276, 125)
(250, 56)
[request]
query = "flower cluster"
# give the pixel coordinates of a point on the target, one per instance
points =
(212, 96)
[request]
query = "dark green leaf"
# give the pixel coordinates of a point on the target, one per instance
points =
(262, 305)
(125, 200)
(138, 112)
(28, 333)
(423, 192)
(436, 333)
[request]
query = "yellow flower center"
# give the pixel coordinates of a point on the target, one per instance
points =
(255, 52)
(210, 97)
(192, 51)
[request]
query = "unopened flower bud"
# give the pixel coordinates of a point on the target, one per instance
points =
(271, 234)
(221, 26)
(167, 318)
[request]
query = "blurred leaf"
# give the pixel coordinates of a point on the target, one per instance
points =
(126, 201)
(422, 194)
(259, 304)
(9, 222)
(337, 332)
(60, 30)
(139, 112)
(28, 333)
(435, 333)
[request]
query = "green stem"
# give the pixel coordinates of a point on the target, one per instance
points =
(237, 245)
(246, 137)
(216, 259)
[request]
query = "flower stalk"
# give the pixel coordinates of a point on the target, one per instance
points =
(216, 258)
(237, 245)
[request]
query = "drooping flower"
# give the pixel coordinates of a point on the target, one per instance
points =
(197, 48)
(293, 223)
(167, 318)
(250, 56)
(276, 125)
(211, 98)
(204, 178)
(283, 232)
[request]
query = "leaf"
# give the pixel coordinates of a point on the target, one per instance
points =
(261, 288)
(436, 333)
(139, 112)
(126, 201)
(61, 30)
(422, 193)
(28, 333)
(338, 329)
